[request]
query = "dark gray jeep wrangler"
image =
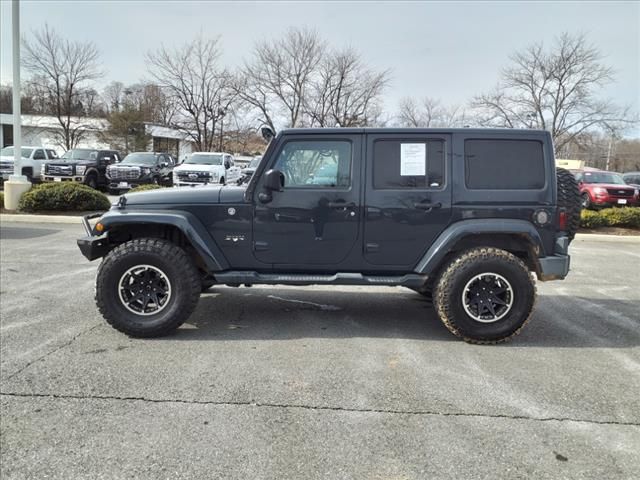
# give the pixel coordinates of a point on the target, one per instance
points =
(463, 216)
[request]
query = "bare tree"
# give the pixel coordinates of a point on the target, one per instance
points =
(345, 93)
(192, 77)
(554, 90)
(61, 69)
(430, 112)
(278, 79)
(112, 95)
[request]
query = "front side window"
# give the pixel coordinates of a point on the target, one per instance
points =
(408, 164)
(315, 164)
(39, 155)
(504, 164)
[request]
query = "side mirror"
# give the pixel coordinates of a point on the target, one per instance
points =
(163, 164)
(267, 134)
(274, 181)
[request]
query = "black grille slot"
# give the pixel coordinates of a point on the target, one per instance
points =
(620, 192)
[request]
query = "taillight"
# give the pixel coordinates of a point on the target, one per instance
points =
(562, 219)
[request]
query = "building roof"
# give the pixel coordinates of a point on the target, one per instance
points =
(49, 121)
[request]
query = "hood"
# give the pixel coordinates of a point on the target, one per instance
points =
(8, 158)
(187, 196)
(131, 165)
(194, 167)
(612, 186)
(71, 161)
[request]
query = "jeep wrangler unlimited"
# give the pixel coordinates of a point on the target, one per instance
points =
(463, 216)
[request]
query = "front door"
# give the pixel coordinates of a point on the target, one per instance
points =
(407, 197)
(314, 219)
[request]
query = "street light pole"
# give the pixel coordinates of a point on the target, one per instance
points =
(17, 131)
(17, 183)
(221, 112)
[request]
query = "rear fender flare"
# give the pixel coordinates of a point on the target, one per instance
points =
(186, 222)
(431, 260)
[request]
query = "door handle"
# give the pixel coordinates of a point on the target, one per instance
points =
(341, 205)
(427, 206)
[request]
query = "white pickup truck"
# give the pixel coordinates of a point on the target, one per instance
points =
(203, 168)
(32, 160)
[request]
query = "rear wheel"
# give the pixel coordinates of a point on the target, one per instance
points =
(485, 295)
(147, 287)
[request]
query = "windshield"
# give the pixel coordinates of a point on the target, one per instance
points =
(81, 154)
(8, 152)
(140, 158)
(255, 162)
(603, 177)
(199, 159)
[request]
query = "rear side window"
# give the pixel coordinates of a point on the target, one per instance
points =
(408, 164)
(504, 164)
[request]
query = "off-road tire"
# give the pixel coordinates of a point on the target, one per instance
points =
(569, 199)
(448, 295)
(172, 261)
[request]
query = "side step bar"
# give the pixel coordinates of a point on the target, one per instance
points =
(411, 280)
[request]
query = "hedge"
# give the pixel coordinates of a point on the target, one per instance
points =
(1, 199)
(146, 186)
(65, 196)
(627, 217)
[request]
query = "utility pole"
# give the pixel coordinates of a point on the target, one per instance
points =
(221, 112)
(17, 183)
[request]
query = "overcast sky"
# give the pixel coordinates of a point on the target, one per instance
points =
(447, 50)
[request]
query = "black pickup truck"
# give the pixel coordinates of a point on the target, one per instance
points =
(84, 165)
(464, 216)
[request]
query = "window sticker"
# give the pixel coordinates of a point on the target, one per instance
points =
(412, 159)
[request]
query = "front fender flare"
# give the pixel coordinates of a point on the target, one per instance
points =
(457, 231)
(186, 222)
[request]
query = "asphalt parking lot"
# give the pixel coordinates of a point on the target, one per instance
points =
(272, 383)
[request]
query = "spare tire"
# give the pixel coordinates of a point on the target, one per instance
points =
(569, 200)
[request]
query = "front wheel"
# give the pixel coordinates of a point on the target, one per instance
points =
(485, 295)
(586, 201)
(147, 287)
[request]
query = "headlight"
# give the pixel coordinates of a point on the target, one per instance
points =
(42, 169)
(636, 192)
(80, 169)
(146, 171)
(599, 190)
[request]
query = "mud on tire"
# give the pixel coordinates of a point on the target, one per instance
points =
(464, 276)
(163, 263)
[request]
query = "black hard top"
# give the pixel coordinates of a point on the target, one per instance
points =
(398, 130)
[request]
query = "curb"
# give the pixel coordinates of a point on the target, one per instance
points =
(601, 237)
(22, 218)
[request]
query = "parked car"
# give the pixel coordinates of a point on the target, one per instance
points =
(411, 209)
(203, 168)
(600, 189)
(249, 170)
(140, 168)
(33, 158)
(632, 178)
(83, 165)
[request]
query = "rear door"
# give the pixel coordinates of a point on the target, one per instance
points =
(315, 219)
(407, 197)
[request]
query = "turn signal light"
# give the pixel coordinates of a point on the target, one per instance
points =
(99, 227)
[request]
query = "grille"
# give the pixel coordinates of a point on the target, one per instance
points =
(620, 192)
(63, 170)
(6, 167)
(124, 173)
(200, 177)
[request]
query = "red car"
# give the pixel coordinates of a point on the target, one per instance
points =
(599, 189)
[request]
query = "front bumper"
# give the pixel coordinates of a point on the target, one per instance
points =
(56, 178)
(92, 246)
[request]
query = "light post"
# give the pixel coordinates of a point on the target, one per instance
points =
(17, 183)
(221, 113)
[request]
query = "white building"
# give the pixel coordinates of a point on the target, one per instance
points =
(40, 131)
